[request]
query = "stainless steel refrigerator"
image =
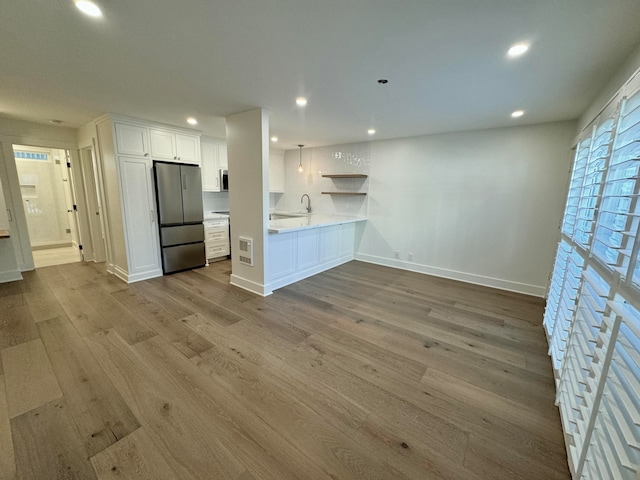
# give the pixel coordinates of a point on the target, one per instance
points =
(179, 199)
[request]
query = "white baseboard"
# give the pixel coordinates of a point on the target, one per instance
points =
(250, 285)
(10, 276)
(119, 272)
(535, 290)
(143, 276)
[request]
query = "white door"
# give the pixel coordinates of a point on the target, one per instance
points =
(141, 229)
(93, 204)
(78, 233)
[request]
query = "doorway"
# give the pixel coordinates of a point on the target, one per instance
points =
(49, 202)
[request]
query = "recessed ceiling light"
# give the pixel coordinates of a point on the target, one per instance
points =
(301, 101)
(517, 50)
(371, 131)
(192, 121)
(274, 139)
(517, 114)
(89, 8)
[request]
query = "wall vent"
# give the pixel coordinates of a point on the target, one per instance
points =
(245, 247)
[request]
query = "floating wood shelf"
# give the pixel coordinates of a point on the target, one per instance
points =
(345, 175)
(4, 233)
(343, 193)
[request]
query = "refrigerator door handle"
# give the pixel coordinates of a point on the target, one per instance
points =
(184, 182)
(153, 219)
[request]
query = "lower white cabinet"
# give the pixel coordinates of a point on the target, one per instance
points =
(216, 238)
(138, 209)
(302, 253)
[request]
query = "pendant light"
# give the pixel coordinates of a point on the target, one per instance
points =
(300, 168)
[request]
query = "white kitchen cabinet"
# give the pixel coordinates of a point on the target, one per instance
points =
(167, 145)
(163, 144)
(216, 238)
(298, 254)
(276, 173)
(141, 227)
(188, 148)
(213, 158)
(223, 162)
(209, 159)
(132, 140)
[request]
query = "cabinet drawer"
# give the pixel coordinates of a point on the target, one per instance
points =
(221, 236)
(216, 224)
(217, 250)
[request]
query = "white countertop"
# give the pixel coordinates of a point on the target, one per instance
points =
(314, 220)
(215, 216)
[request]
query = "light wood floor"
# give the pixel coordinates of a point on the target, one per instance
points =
(55, 256)
(362, 372)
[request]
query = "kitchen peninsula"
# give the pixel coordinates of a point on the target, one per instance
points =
(304, 245)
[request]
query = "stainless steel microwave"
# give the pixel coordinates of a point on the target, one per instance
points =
(224, 180)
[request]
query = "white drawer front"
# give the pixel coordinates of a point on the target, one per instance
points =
(216, 236)
(217, 250)
(216, 224)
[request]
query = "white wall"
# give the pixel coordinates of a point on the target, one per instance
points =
(215, 201)
(248, 154)
(481, 206)
(351, 158)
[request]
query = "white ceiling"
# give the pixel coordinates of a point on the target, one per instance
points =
(164, 60)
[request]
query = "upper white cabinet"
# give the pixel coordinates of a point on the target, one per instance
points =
(188, 148)
(163, 144)
(214, 159)
(223, 162)
(210, 177)
(132, 140)
(276, 173)
(167, 145)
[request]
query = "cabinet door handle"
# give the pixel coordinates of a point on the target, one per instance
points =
(184, 182)
(146, 154)
(9, 215)
(153, 219)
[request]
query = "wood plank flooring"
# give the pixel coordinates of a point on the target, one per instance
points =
(361, 372)
(55, 256)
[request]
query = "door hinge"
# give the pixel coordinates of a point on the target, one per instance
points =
(80, 247)
(75, 208)
(68, 164)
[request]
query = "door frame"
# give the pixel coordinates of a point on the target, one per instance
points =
(13, 195)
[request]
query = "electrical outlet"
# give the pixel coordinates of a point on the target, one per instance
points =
(397, 254)
(410, 256)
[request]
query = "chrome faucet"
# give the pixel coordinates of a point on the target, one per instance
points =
(308, 202)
